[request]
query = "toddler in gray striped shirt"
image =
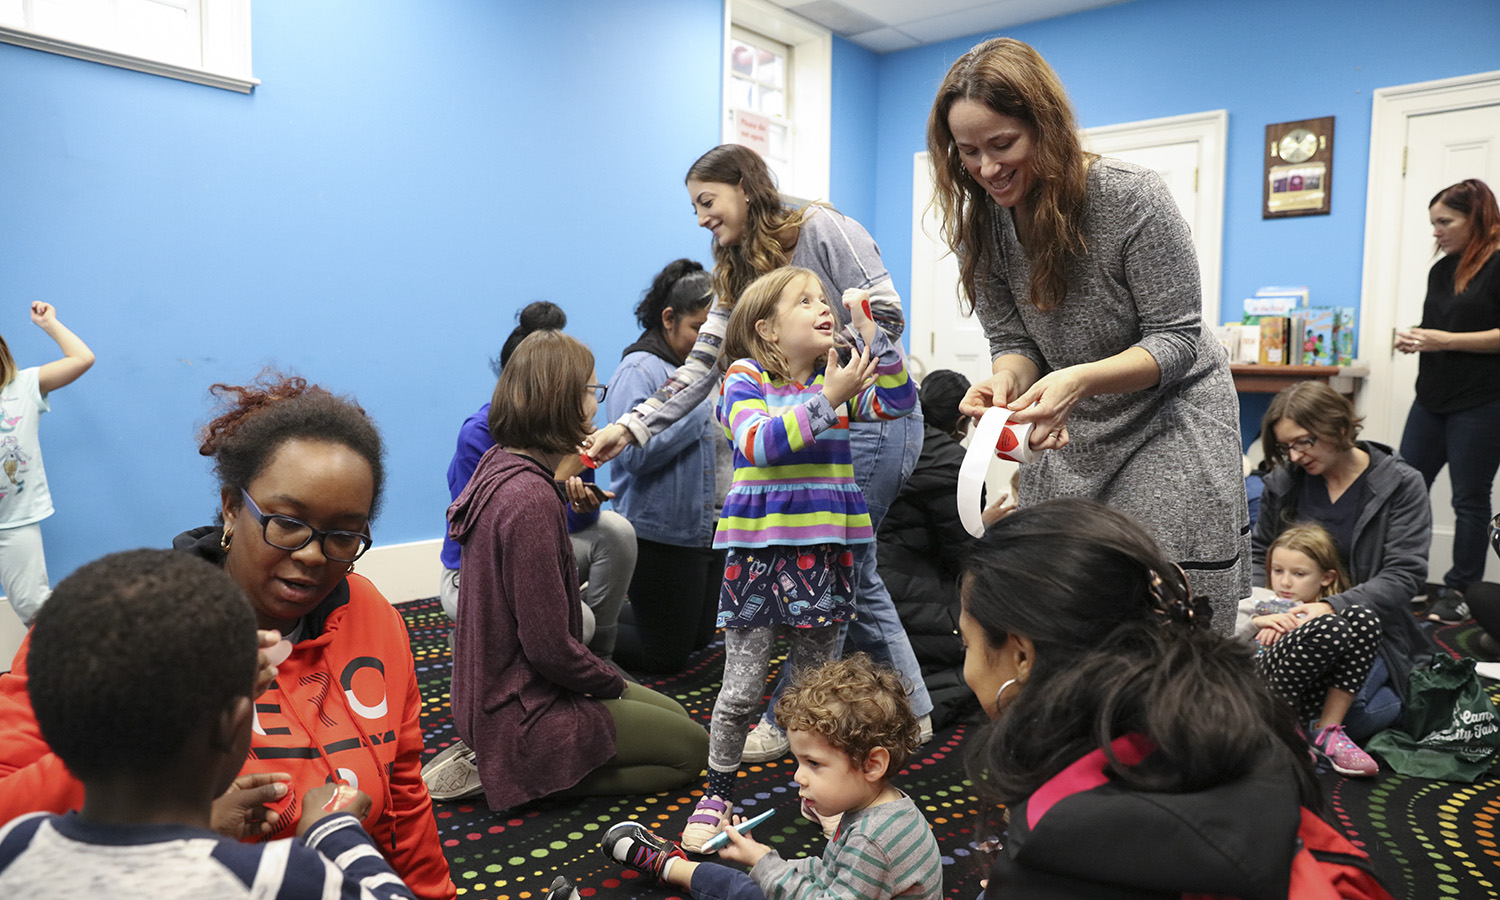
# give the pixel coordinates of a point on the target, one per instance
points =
(851, 729)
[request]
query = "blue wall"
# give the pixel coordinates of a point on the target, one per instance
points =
(856, 110)
(408, 175)
(1268, 61)
(371, 216)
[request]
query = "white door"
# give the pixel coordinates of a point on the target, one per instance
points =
(941, 336)
(1441, 149)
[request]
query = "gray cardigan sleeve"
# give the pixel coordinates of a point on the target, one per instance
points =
(1161, 268)
(844, 256)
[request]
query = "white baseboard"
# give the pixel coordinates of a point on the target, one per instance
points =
(12, 632)
(403, 572)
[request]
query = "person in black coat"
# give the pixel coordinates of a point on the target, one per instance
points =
(921, 543)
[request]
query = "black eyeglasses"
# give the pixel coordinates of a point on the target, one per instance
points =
(599, 391)
(287, 533)
(1301, 445)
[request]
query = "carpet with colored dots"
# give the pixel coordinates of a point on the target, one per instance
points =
(515, 855)
(1427, 839)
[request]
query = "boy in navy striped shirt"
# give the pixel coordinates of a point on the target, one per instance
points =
(143, 674)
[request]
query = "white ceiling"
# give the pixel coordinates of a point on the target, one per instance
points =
(886, 25)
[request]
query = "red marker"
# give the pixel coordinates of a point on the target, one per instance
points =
(588, 460)
(868, 315)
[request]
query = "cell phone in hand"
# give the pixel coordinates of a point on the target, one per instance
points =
(597, 491)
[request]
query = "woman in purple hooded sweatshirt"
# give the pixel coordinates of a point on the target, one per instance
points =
(540, 713)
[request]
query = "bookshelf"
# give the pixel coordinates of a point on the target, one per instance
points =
(1256, 378)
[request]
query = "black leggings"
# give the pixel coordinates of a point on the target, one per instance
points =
(674, 602)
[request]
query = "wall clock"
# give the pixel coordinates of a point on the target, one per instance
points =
(1299, 169)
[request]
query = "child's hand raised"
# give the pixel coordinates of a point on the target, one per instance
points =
(741, 849)
(842, 383)
(858, 304)
(42, 314)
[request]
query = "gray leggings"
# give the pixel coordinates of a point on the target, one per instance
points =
(747, 660)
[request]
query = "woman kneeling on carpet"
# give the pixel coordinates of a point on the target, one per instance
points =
(542, 714)
(1122, 730)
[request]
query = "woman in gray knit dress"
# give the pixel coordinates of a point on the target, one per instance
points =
(1083, 273)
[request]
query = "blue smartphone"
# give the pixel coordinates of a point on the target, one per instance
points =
(721, 840)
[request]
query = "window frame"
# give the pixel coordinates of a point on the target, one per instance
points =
(809, 79)
(225, 30)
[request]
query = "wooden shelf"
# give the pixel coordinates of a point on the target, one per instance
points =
(1254, 378)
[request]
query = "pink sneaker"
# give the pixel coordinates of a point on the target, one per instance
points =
(1346, 757)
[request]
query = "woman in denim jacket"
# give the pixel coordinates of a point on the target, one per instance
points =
(667, 488)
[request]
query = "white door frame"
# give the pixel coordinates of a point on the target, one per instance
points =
(1393, 107)
(1211, 131)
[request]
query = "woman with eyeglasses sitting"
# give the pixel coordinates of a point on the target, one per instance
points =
(1376, 508)
(300, 475)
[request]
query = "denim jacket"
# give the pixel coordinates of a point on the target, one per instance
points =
(665, 488)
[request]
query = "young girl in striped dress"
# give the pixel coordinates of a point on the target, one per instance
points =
(794, 509)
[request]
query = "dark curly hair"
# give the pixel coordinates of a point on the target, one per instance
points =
(856, 705)
(538, 315)
(261, 416)
(131, 654)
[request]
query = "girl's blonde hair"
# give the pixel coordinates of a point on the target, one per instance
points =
(758, 303)
(771, 227)
(8, 368)
(1313, 541)
(1012, 79)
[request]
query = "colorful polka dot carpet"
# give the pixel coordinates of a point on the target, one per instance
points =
(1427, 839)
(515, 855)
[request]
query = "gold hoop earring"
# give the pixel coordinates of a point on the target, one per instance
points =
(1000, 692)
(225, 540)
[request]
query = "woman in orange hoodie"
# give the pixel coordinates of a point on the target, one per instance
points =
(300, 473)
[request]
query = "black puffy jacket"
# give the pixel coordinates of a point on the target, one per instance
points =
(920, 544)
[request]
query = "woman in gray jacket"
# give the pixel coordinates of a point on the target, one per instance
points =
(1375, 506)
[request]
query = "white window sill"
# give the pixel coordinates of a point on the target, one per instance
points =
(125, 61)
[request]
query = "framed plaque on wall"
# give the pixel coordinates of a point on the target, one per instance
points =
(1299, 169)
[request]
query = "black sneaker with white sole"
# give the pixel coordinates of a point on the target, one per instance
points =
(1448, 607)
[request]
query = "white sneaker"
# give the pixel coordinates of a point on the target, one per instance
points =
(924, 724)
(452, 774)
(765, 743)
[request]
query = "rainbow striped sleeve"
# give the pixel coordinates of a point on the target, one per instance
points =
(768, 423)
(893, 394)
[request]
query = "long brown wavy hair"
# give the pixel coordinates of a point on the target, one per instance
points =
(771, 227)
(1474, 199)
(1012, 79)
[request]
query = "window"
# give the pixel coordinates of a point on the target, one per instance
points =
(759, 100)
(777, 87)
(204, 41)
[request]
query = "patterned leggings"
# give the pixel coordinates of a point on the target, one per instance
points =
(1334, 651)
(747, 659)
